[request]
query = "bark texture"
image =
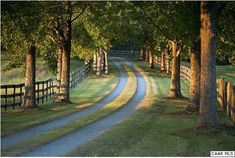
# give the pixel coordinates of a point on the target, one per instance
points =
(64, 37)
(98, 69)
(29, 100)
(141, 54)
(102, 58)
(146, 54)
(163, 61)
(106, 62)
(175, 87)
(168, 64)
(208, 95)
(151, 63)
(194, 84)
(94, 62)
(59, 72)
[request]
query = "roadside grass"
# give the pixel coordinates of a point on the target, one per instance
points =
(226, 72)
(162, 128)
(91, 90)
(222, 71)
(128, 92)
(17, 76)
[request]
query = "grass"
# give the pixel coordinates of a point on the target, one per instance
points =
(226, 72)
(120, 101)
(85, 94)
(17, 76)
(161, 128)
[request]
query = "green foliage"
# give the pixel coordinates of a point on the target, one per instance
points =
(225, 26)
(48, 53)
(110, 25)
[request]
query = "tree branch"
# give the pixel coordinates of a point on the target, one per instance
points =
(148, 19)
(84, 8)
(52, 39)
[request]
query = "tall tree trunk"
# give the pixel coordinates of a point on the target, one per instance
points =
(102, 60)
(95, 62)
(106, 62)
(194, 84)
(29, 100)
(168, 64)
(66, 49)
(151, 64)
(59, 72)
(175, 87)
(163, 61)
(146, 54)
(98, 72)
(168, 60)
(141, 54)
(208, 95)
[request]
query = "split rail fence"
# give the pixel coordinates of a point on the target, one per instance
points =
(123, 53)
(225, 91)
(12, 95)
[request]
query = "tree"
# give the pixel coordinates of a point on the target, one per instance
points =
(208, 96)
(168, 15)
(63, 35)
(21, 32)
(194, 55)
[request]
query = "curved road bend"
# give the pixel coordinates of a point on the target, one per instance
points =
(26, 134)
(69, 142)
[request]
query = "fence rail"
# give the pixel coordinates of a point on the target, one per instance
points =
(123, 53)
(225, 91)
(12, 95)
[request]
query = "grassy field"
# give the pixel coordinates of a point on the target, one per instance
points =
(124, 97)
(91, 90)
(226, 72)
(161, 129)
(16, 75)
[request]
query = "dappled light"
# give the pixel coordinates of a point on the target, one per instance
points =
(117, 78)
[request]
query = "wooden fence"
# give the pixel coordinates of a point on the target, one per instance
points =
(12, 95)
(184, 70)
(225, 91)
(226, 98)
(123, 53)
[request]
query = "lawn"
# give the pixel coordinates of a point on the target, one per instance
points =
(16, 75)
(226, 72)
(91, 90)
(117, 103)
(161, 129)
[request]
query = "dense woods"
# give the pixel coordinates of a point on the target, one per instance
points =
(201, 32)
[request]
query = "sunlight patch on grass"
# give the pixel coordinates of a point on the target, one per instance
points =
(160, 129)
(120, 101)
(14, 120)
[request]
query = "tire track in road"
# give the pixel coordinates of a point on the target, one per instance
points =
(69, 142)
(26, 134)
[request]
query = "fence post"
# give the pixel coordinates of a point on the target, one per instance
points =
(233, 105)
(47, 90)
(38, 92)
(14, 97)
(53, 90)
(21, 86)
(229, 98)
(50, 89)
(221, 93)
(42, 92)
(6, 98)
